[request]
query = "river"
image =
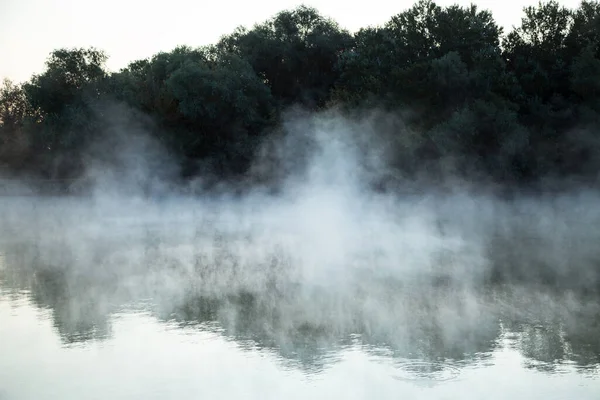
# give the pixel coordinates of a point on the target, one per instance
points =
(107, 309)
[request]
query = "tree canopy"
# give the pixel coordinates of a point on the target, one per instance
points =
(516, 107)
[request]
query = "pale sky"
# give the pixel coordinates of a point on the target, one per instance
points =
(129, 30)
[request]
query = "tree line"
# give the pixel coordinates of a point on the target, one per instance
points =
(516, 107)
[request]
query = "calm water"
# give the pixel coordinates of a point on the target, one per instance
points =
(146, 313)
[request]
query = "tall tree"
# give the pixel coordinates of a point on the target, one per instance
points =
(210, 105)
(295, 52)
(13, 112)
(69, 72)
(364, 70)
(13, 106)
(535, 51)
(585, 28)
(63, 96)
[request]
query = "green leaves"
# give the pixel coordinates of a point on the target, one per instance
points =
(363, 69)
(427, 31)
(217, 92)
(585, 74)
(209, 103)
(505, 110)
(71, 75)
(13, 107)
(295, 52)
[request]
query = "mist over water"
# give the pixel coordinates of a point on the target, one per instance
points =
(325, 276)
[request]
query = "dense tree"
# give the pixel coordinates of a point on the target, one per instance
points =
(13, 106)
(551, 55)
(583, 46)
(69, 77)
(536, 50)
(62, 101)
(14, 109)
(210, 105)
(518, 107)
(295, 52)
(363, 69)
(584, 31)
(427, 31)
(423, 55)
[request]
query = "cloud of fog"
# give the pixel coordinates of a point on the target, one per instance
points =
(329, 248)
(125, 161)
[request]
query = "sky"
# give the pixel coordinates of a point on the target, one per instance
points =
(129, 30)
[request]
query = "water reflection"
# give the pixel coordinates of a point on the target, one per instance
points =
(427, 332)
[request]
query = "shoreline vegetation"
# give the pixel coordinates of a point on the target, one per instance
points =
(443, 90)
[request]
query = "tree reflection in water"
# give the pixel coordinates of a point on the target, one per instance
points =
(429, 330)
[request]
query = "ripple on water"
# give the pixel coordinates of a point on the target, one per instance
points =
(423, 371)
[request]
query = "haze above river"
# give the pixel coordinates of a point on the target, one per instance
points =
(315, 296)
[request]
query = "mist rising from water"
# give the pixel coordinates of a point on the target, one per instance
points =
(326, 251)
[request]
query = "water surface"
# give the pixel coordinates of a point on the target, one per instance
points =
(113, 308)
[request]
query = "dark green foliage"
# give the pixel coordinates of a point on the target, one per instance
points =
(14, 109)
(295, 53)
(364, 68)
(210, 105)
(515, 108)
(59, 118)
